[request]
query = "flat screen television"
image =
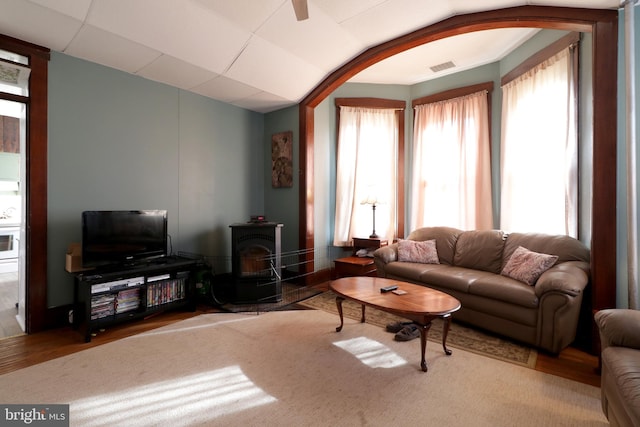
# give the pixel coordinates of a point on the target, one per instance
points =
(123, 237)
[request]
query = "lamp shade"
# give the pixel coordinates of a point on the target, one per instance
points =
(372, 196)
(370, 199)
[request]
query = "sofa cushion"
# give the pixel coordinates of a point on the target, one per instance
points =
(413, 251)
(453, 278)
(445, 238)
(480, 250)
(410, 271)
(502, 288)
(567, 248)
(527, 266)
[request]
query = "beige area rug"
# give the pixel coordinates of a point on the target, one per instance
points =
(459, 335)
(291, 368)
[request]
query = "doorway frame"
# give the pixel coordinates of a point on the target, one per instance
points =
(35, 258)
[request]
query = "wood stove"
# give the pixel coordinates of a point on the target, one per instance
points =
(256, 262)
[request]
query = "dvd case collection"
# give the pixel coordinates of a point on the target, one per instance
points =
(165, 291)
(102, 306)
(129, 299)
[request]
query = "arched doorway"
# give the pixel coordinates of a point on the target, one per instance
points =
(603, 24)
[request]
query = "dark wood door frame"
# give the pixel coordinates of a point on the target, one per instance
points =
(603, 24)
(36, 188)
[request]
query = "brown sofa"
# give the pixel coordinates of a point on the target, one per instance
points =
(469, 264)
(620, 360)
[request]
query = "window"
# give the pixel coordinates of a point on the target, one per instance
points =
(369, 165)
(451, 183)
(539, 167)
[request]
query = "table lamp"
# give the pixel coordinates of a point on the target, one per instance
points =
(372, 200)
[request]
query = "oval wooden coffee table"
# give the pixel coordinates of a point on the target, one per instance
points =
(419, 304)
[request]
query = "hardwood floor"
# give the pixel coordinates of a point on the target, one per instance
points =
(26, 350)
(573, 364)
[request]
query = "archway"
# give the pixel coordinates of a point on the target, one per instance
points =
(603, 24)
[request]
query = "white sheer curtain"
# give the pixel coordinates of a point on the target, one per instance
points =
(539, 150)
(451, 182)
(366, 164)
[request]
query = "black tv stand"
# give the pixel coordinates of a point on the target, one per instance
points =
(115, 294)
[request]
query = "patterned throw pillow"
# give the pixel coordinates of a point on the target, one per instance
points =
(424, 252)
(527, 266)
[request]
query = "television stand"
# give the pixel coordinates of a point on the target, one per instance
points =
(105, 297)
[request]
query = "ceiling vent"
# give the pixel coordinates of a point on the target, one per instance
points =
(443, 66)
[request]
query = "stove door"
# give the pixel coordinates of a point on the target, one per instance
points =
(9, 238)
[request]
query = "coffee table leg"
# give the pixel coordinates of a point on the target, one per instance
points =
(445, 332)
(424, 330)
(339, 305)
(362, 318)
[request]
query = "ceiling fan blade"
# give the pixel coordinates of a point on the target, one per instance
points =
(301, 10)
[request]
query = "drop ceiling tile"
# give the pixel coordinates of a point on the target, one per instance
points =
(597, 4)
(36, 24)
(184, 30)
(102, 47)
(74, 8)
(394, 18)
(340, 10)
(319, 41)
(186, 42)
(272, 69)
(247, 14)
(263, 102)
(470, 6)
(175, 72)
(225, 89)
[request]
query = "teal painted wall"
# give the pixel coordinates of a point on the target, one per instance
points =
(281, 204)
(221, 167)
(118, 141)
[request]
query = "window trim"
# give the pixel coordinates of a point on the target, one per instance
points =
(542, 55)
(456, 93)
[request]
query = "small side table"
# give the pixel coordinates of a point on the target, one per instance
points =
(359, 266)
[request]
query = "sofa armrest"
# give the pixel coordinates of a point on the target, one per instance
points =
(568, 277)
(619, 327)
(383, 256)
(386, 254)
